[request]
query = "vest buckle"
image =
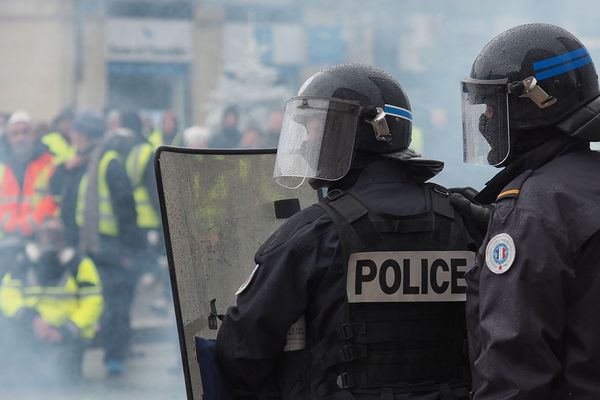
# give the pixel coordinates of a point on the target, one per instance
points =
(348, 353)
(345, 331)
(345, 380)
(334, 194)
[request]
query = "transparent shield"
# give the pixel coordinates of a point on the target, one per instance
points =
(218, 208)
(316, 140)
(486, 138)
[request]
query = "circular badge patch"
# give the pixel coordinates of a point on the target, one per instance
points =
(500, 253)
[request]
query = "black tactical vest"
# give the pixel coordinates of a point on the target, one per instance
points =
(393, 346)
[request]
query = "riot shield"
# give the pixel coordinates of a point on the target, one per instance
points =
(218, 207)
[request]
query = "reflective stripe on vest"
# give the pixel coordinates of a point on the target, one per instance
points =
(107, 224)
(39, 190)
(76, 296)
(40, 186)
(136, 164)
(155, 138)
(59, 146)
(28, 199)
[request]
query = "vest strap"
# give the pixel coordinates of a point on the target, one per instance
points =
(443, 213)
(350, 211)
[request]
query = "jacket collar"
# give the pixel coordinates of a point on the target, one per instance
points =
(532, 160)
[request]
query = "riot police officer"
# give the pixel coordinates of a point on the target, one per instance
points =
(531, 105)
(361, 295)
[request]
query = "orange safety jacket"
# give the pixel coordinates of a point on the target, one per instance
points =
(23, 208)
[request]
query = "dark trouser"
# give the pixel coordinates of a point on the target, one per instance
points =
(148, 259)
(152, 260)
(118, 288)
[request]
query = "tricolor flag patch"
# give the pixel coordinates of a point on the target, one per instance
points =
(500, 253)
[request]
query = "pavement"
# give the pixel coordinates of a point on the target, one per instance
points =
(152, 372)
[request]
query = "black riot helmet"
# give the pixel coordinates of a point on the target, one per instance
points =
(339, 112)
(529, 77)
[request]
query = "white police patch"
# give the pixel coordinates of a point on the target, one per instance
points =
(500, 253)
(408, 276)
(247, 282)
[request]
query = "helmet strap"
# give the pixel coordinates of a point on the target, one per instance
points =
(529, 88)
(376, 117)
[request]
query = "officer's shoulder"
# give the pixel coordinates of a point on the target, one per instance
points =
(515, 188)
(563, 183)
(541, 184)
(536, 189)
(293, 228)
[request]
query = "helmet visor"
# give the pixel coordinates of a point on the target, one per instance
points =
(316, 140)
(486, 138)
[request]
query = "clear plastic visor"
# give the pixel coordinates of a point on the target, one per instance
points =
(316, 140)
(486, 137)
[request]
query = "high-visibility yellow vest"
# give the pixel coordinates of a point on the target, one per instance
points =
(136, 164)
(59, 147)
(156, 138)
(75, 298)
(107, 225)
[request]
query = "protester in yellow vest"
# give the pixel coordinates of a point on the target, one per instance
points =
(139, 164)
(168, 133)
(58, 140)
(96, 200)
(52, 299)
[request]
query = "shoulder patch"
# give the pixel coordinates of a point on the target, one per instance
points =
(247, 281)
(514, 188)
(500, 253)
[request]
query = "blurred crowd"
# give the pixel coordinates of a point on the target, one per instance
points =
(80, 228)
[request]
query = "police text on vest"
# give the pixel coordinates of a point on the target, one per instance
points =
(408, 276)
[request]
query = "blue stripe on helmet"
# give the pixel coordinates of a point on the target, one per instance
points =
(397, 111)
(549, 73)
(549, 62)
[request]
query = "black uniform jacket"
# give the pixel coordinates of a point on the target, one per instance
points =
(291, 280)
(533, 295)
